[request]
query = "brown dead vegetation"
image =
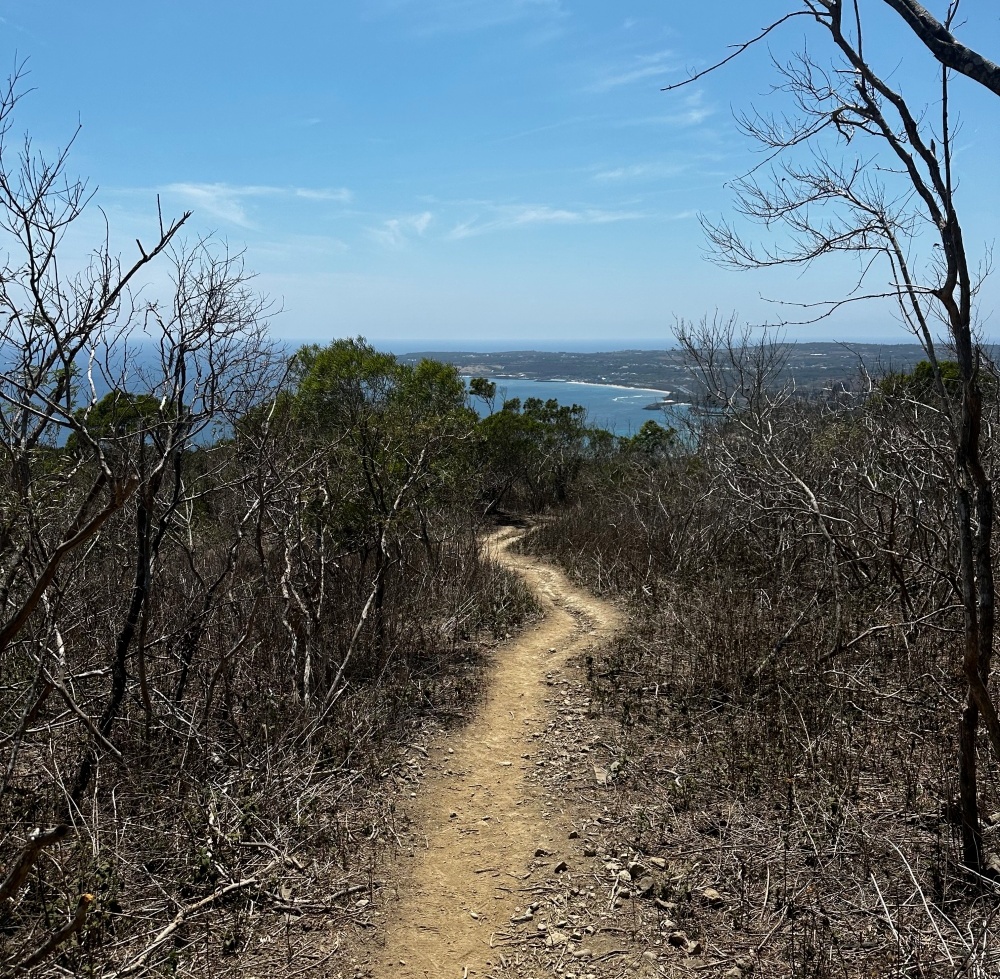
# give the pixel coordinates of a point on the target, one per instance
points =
(787, 700)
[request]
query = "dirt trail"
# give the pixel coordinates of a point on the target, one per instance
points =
(479, 819)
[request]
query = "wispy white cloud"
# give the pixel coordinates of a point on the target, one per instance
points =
(548, 127)
(513, 217)
(228, 202)
(395, 232)
(687, 117)
(217, 200)
(692, 111)
(290, 249)
(640, 67)
(623, 173)
(464, 16)
(642, 171)
(340, 195)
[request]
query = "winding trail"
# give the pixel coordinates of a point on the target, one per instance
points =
(480, 820)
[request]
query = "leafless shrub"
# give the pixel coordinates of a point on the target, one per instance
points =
(215, 628)
(786, 703)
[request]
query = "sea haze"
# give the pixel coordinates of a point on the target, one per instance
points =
(618, 409)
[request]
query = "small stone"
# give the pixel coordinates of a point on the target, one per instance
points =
(574, 835)
(624, 878)
(542, 852)
(560, 867)
(644, 887)
(637, 870)
(712, 897)
(582, 953)
(601, 775)
(556, 938)
(658, 862)
(651, 955)
(520, 919)
(678, 939)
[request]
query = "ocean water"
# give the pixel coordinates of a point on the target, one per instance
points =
(618, 409)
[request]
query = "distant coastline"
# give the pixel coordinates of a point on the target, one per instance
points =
(815, 367)
(620, 408)
(566, 380)
(660, 402)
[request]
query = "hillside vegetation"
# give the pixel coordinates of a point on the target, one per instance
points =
(212, 648)
(815, 367)
(216, 680)
(234, 584)
(789, 697)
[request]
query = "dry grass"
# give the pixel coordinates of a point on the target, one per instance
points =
(809, 779)
(242, 846)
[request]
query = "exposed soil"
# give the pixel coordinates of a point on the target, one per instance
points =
(527, 842)
(484, 835)
(558, 833)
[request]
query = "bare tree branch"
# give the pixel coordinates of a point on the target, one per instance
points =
(943, 44)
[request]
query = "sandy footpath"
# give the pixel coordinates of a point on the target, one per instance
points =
(481, 823)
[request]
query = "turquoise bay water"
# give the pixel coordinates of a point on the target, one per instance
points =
(618, 409)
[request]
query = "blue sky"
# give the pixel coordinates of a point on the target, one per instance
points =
(450, 173)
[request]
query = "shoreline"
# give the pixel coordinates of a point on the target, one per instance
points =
(619, 387)
(622, 409)
(562, 380)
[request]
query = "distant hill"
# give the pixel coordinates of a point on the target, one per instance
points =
(815, 366)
